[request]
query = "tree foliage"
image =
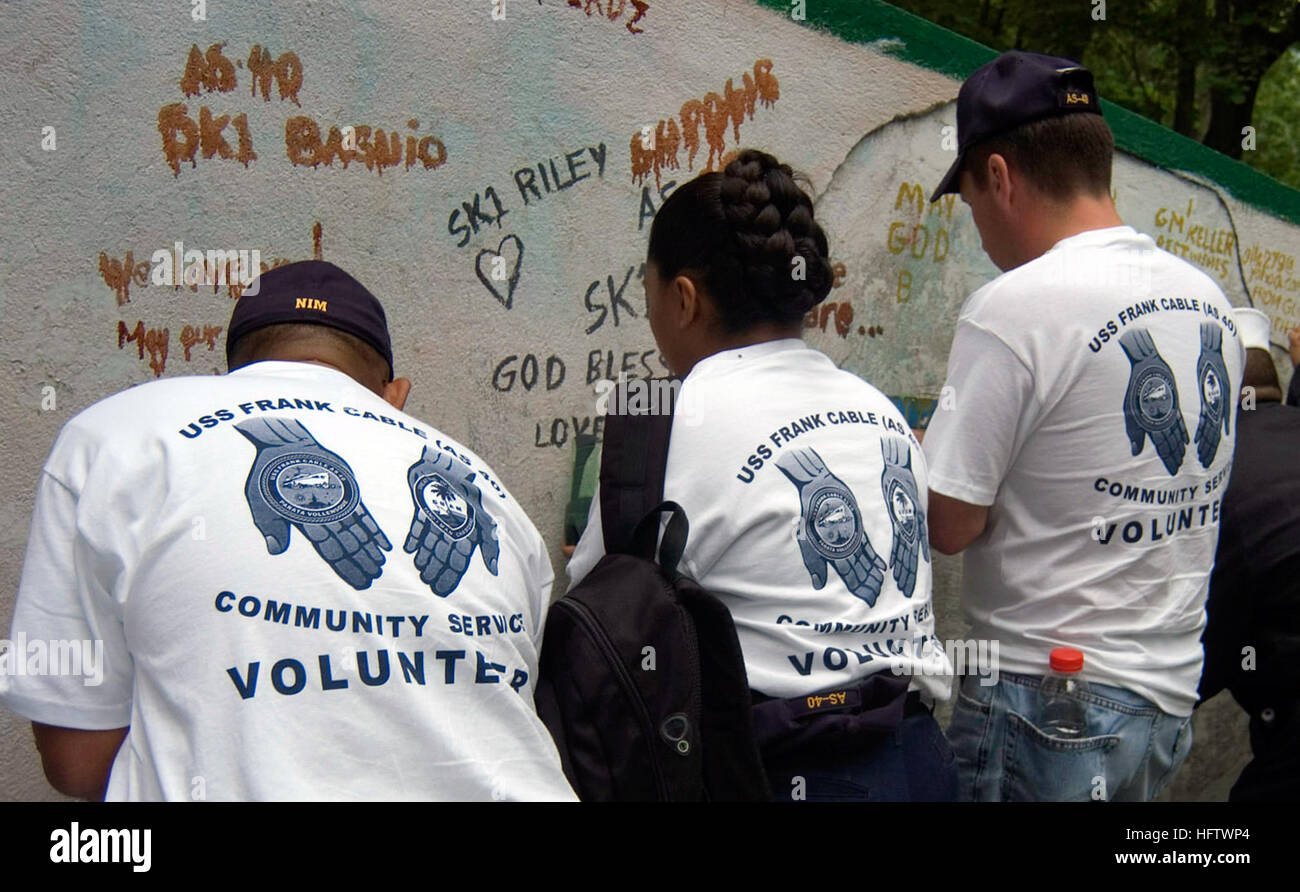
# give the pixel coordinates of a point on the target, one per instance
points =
(1206, 68)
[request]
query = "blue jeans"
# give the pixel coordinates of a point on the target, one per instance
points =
(913, 763)
(1132, 750)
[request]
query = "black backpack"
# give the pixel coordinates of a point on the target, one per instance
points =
(641, 679)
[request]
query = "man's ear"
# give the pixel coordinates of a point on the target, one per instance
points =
(999, 177)
(396, 392)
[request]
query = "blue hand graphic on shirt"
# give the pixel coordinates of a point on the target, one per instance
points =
(1216, 393)
(294, 480)
(830, 527)
(1151, 401)
(911, 538)
(449, 521)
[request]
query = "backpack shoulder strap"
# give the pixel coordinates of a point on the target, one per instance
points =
(633, 460)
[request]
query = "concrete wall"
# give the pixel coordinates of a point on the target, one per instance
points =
(519, 153)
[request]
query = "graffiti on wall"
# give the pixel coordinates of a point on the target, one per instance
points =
(655, 150)
(1210, 248)
(630, 11)
(175, 268)
(185, 139)
(1271, 277)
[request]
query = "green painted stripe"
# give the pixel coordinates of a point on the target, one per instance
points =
(930, 46)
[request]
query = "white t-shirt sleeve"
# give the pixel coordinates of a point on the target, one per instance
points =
(591, 544)
(982, 420)
(64, 613)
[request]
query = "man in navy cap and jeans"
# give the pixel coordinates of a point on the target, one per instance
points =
(224, 547)
(1081, 456)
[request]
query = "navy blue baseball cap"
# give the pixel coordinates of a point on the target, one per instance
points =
(313, 292)
(1016, 88)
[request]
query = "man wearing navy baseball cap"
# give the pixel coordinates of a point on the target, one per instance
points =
(228, 544)
(1016, 88)
(1078, 460)
(312, 311)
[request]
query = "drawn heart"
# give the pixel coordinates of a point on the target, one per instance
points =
(498, 264)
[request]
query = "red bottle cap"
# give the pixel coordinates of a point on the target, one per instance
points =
(1066, 659)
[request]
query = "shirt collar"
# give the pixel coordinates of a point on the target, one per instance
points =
(290, 369)
(1099, 236)
(729, 358)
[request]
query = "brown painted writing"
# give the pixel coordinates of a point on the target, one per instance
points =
(183, 137)
(214, 72)
(375, 149)
(654, 152)
(119, 275)
(154, 340)
(841, 312)
(192, 335)
(613, 9)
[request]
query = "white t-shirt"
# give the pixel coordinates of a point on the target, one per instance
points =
(1086, 401)
(787, 467)
(302, 593)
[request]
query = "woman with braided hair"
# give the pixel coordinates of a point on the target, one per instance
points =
(805, 491)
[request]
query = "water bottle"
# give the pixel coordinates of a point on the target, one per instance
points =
(1064, 712)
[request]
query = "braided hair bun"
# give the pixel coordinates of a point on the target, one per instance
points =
(748, 232)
